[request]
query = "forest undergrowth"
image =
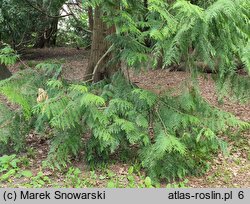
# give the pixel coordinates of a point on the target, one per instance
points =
(79, 124)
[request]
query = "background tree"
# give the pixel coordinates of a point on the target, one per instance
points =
(4, 72)
(7, 57)
(182, 34)
(31, 23)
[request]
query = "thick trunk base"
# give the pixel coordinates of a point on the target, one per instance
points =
(4, 72)
(99, 47)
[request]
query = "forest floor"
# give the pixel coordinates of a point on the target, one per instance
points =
(232, 170)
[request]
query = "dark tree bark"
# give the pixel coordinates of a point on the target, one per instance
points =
(145, 2)
(47, 38)
(4, 72)
(54, 29)
(97, 67)
(160, 61)
(91, 18)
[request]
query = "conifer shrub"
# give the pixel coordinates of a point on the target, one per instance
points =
(172, 135)
(18, 97)
(105, 118)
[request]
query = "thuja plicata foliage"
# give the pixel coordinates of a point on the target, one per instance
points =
(173, 136)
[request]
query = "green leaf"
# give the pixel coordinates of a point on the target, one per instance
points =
(7, 175)
(148, 182)
(27, 174)
(131, 170)
(111, 184)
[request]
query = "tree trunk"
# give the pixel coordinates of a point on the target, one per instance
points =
(47, 38)
(160, 61)
(54, 29)
(91, 19)
(4, 72)
(97, 69)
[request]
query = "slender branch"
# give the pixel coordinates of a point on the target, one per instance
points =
(162, 122)
(44, 12)
(23, 62)
(23, 36)
(102, 58)
(76, 19)
(50, 34)
(98, 63)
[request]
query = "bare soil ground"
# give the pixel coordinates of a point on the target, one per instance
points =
(227, 171)
(74, 61)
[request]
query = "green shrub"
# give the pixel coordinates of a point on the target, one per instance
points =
(109, 117)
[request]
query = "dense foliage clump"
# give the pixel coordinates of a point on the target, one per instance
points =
(173, 136)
